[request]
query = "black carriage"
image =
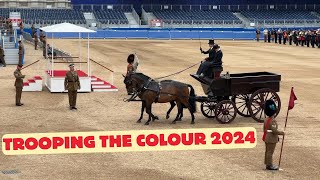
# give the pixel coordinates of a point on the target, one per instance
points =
(243, 94)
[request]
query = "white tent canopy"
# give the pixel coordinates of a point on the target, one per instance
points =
(66, 27)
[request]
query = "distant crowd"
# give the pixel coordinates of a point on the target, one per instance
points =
(6, 25)
(296, 37)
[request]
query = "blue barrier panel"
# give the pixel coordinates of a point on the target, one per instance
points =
(159, 35)
(115, 34)
(137, 34)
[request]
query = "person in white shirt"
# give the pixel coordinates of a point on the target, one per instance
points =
(265, 34)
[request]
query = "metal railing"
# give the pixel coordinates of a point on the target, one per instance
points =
(285, 22)
(310, 7)
(91, 7)
(202, 23)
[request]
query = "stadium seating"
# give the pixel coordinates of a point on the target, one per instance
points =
(111, 16)
(197, 16)
(278, 15)
(75, 16)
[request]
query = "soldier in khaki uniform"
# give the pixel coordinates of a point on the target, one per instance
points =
(18, 84)
(2, 57)
(72, 84)
(33, 30)
(41, 35)
(11, 31)
(271, 132)
(21, 52)
(35, 41)
(44, 50)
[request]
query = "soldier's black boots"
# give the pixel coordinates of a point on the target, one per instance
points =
(272, 167)
(19, 104)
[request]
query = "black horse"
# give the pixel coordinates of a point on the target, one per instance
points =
(150, 91)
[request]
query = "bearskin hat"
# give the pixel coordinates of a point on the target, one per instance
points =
(270, 108)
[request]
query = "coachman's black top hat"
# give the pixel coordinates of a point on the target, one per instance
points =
(270, 108)
(211, 41)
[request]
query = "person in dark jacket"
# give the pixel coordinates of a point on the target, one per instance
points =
(308, 38)
(269, 36)
(217, 62)
(313, 38)
(205, 65)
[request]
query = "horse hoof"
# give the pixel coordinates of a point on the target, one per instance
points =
(156, 118)
(179, 120)
(192, 122)
(147, 123)
(167, 117)
(173, 122)
(139, 121)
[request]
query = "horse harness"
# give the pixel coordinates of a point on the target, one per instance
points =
(155, 87)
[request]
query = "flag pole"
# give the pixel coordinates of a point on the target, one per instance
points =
(283, 137)
(290, 106)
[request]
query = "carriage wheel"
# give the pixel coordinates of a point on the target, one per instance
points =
(226, 111)
(242, 104)
(207, 109)
(257, 100)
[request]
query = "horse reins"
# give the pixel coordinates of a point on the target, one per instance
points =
(179, 71)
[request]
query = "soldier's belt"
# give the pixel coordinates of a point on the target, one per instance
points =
(269, 130)
(72, 81)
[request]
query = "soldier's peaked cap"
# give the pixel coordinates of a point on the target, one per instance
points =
(71, 65)
(270, 108)
(211, 41)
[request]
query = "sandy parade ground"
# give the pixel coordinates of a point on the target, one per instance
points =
(46, 112)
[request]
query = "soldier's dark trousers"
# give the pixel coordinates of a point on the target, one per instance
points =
(312, 43)
(72, 98)
(203, 68)
(35, 45)
(302, 43)
(44, 52)
(308, 43)
(284, 41)
(265, 38)
(290, 41)
(18, 95)
(2, 61)
(280, 40)
(270, 147)
(276, 39)
(269, 39)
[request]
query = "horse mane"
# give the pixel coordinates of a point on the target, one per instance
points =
(143, 76)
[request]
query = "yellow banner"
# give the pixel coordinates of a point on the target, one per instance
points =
(125, 141)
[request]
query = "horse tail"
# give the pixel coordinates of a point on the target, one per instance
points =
(192, 100)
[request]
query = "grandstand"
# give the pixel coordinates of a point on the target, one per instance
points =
(236, 14)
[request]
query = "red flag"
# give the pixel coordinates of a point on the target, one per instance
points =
(292, 99)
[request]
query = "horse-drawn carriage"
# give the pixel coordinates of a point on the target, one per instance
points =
(243, 94)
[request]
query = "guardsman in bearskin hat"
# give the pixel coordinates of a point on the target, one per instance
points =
(271, 132)
(133, 63)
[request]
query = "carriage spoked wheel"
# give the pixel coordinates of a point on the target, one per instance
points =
(257, 101)
(207, 109)
(242, 104)
(226, 111)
